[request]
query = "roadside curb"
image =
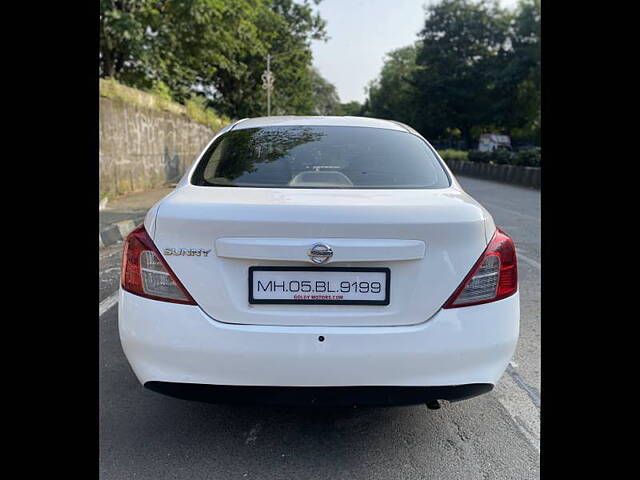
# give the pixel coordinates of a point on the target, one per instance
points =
(117, 231)
(515, 175)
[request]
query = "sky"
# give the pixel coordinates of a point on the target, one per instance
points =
(361, 33)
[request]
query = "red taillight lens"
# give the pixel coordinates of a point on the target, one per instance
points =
(145, 273)
(493, 277)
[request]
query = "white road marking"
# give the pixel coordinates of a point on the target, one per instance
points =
(111, 254)
(528, 260)
(521, 409)
(107, 303)
(110, 270)
(492, 205)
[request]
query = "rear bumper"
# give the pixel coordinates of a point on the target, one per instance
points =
(173, 343)
(317, 396)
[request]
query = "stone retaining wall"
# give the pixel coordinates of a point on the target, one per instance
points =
(144, 148)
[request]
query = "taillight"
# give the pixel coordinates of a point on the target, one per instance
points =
(493, 277)
(145, 272)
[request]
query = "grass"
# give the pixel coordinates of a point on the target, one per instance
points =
(449, 154)
(201, 114)
(194, 108)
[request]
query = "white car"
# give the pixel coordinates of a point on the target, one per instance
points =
(319, 260)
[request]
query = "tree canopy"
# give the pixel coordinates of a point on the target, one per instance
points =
(214, 48)
(475, 68)
(394, 90)
(325, 95)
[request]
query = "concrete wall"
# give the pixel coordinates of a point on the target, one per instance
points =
(143, 148)
(526, 176)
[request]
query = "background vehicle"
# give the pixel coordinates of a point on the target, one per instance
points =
(490, 142)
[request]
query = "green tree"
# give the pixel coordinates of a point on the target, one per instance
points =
(195, 39)
(352, 108)
(527, 68)
(179, 43)
(393, 94)
(286, 30)
(214, 48)
(124, 39)
(464, 47)
(325, 97)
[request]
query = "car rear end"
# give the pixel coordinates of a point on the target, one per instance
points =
(319, 272)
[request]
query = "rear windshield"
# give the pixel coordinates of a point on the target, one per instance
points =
(320, 157)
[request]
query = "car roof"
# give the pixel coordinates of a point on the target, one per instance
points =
(325, 121)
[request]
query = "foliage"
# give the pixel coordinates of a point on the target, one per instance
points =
(524, 158)
(517, 108)
(161, 89)
(502, 157)
(392, 95)
(195, 107)
(285, 30)
(476, 69)
(528, 158)
(215, 48)
(197, 110)
(449, 154)
(479, 157)
(179, 42)
(123, 36)
(464, 44)
(112, 89)
(352, 108)
(325, 96)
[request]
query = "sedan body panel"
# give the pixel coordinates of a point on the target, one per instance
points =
(297, 249)
(178, 343)
(430, 239)
(427, 284)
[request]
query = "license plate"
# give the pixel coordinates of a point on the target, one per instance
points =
(319, 285)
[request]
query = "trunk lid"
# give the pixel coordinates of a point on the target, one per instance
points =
(429, 239)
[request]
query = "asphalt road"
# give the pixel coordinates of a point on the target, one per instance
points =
(144, 435)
